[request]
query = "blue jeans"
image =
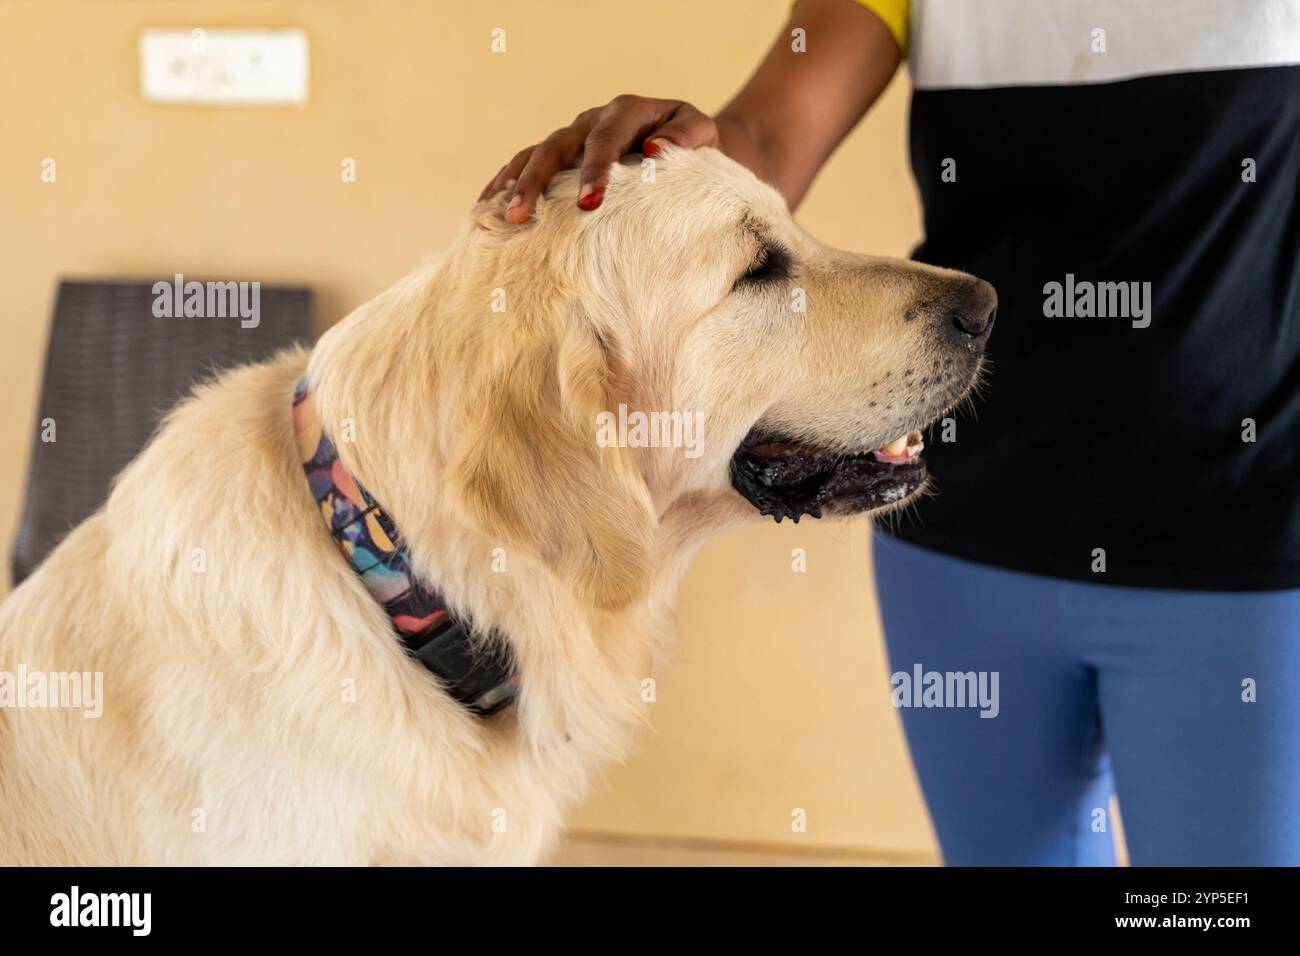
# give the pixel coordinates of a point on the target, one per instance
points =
(1184, 703)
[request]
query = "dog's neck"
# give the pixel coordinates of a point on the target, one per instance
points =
(583, 668)
(478, 673)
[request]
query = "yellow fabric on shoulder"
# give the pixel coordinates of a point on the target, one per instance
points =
(895, 15)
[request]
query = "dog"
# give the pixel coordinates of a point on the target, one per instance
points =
(259, 706)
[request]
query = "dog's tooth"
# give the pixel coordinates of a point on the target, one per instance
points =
(896, 447)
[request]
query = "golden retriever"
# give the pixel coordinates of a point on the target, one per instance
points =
(258, 707)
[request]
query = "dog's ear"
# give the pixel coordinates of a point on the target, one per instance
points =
(532, 475)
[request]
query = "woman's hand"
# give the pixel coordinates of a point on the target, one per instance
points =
(600, 136)
(783, 125)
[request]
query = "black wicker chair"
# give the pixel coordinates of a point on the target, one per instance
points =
(112, 370)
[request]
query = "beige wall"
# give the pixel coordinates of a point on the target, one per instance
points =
(778, 697)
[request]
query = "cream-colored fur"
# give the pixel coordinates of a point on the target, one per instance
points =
(258, 708)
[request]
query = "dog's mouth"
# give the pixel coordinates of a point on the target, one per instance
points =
(786, 478)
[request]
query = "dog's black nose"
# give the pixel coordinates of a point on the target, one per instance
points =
(973, 310)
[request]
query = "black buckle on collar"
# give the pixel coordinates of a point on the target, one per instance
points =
(475, 672)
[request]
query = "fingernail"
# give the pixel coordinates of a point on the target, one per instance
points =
(589, 197)
(514, 204)
(651, 147)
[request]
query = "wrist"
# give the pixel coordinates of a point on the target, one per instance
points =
(738, 140)
(743, 143)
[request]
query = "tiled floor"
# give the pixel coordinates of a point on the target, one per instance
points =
(592, 849)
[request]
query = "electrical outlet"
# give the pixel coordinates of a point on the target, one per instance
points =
(224, 67)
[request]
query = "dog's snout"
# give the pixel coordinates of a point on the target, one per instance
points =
(973, 310)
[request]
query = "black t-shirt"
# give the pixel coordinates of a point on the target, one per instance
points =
(1137, 209)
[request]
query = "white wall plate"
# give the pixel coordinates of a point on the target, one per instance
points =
(224, 67)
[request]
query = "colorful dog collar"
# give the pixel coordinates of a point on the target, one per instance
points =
(476, 671)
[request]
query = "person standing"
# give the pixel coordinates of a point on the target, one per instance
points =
(1117, 536)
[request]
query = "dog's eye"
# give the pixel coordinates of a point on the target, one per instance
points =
(772, 264)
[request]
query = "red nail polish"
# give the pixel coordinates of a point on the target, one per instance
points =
(651, 147)
(592, 199)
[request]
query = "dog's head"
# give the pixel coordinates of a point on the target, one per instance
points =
(686, 354)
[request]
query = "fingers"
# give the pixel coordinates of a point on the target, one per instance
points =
(624, 123)
(600, 136)
(619, 127)
(687, 127)
(509, 171)
(557, 151)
